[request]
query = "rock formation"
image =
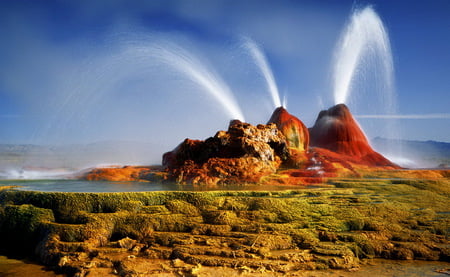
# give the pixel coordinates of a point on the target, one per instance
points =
(293, 129)
(335, 129)
(243, 154)
(246, 153)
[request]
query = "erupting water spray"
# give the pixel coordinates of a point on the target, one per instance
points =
(364, 36)
(200, 73)
(261, 61)
(364, 45)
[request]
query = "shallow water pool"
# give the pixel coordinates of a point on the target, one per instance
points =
(107, 186)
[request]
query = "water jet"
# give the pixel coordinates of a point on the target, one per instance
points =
(363, 65)
(363, 40)
(197, 71)
(261, 61)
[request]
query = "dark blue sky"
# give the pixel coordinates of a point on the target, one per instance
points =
(84, 71)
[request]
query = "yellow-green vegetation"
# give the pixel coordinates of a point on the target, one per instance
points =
(280, 231)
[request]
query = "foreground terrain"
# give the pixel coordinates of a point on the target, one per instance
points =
(338, 225)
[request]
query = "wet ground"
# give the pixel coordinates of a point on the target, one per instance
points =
(337, 229)
(376, 267)
(20, 268)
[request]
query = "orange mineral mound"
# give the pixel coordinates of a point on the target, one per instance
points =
(125, 173)
(335, 129)
(293, 129)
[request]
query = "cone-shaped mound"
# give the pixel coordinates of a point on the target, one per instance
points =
(293, 129)
(335, 129)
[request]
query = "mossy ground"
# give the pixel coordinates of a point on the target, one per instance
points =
(260, 231)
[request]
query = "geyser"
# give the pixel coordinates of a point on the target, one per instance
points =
(253, 154)
(363, 43)
(200, 73)
(363, 65)
(261, 61)
(335, 129)
(292, 128)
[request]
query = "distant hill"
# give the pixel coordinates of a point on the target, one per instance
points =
(80, 155)
(422, 153)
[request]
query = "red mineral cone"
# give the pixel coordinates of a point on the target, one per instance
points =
(293, 129)
(335, 129)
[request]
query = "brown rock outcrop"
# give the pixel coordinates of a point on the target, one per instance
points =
(243, 154)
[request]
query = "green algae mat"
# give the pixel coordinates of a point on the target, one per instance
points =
(280, 232)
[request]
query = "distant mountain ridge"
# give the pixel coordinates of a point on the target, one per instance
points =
(428, 153)
(80, 155)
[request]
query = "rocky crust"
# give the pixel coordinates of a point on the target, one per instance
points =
(243, 154)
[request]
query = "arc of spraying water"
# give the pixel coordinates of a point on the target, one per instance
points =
(261, 61)
(364, 34)
(365, 43)
(187, 64)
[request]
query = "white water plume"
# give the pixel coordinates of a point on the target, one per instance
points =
(189, 65)
(261, 61)
(285, 101)
(363, 65)
(365, 36)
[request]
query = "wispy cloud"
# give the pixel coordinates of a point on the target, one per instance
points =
(406, 116)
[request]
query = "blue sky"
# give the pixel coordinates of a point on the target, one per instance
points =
(86, 71)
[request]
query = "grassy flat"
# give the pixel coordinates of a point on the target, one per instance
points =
(338, 226)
